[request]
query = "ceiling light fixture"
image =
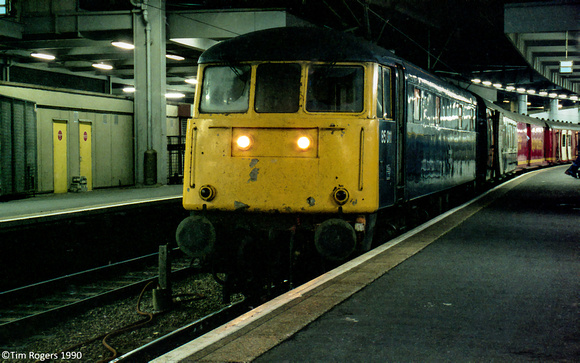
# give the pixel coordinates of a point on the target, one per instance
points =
(174, 57)
(486, 83)
(106, 67)
(497, 85)
(510, 88)
(191, 80)
(174, 95)
(123, 45)
(43, 56)
(128, 89)
(476, 80)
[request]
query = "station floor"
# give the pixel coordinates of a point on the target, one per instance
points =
(44, 205)
(495, 281)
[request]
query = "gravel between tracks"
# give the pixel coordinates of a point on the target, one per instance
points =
(199, 295)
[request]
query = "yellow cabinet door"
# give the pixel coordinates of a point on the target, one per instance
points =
(60, 150)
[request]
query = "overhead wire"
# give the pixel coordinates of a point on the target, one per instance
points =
(406, 36)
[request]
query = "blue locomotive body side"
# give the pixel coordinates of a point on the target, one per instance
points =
(440, 145)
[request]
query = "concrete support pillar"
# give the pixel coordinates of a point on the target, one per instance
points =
(553, 113)
(523, 104)
(150, 107)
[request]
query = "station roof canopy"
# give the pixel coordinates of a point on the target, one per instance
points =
(455, 39)
(547, 34)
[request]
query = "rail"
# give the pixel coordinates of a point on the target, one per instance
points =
(25, 308)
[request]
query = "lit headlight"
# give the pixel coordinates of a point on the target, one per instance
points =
(303, 143)
(244, 142)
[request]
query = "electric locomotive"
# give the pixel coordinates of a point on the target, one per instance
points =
(301, 137)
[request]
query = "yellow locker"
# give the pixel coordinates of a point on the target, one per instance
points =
(85, 152)
(60, 157)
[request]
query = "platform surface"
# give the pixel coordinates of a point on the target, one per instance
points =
(50, 204)
(498, 280)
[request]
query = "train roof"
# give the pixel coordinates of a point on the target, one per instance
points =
(515, 116)
(558, 125)
(295, 44)
(317, 44)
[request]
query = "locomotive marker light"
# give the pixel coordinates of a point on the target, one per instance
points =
(244, 142)
(340, 195)
(303, 143)
(207, 192)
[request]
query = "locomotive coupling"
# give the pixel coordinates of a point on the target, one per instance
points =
(196, 237)
(335, 239)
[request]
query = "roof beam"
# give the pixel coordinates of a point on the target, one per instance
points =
(11, 29)
(537, 17)
(78, 22)
(225, 24)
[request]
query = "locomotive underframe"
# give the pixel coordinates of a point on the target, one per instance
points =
(256, 248)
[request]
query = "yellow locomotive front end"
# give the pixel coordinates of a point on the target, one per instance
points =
(281, 155)
(277, 144)
(276, 150)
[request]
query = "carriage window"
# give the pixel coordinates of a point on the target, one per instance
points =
(428, 108)
(335, 89)
(437, 110)
(277, 87)
(453, 115)
(417, 105)
(471, 118)
(225, 89)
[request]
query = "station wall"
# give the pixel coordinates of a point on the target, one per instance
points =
(173, 121)
(571, 114)
(89, 126)
(18, 152)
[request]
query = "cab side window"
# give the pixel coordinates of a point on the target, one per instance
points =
(384, 94)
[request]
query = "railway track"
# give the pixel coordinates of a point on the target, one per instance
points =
(185, 334)
(27, 308)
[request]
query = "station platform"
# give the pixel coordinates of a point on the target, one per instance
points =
(497, 279)
(46, 206)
